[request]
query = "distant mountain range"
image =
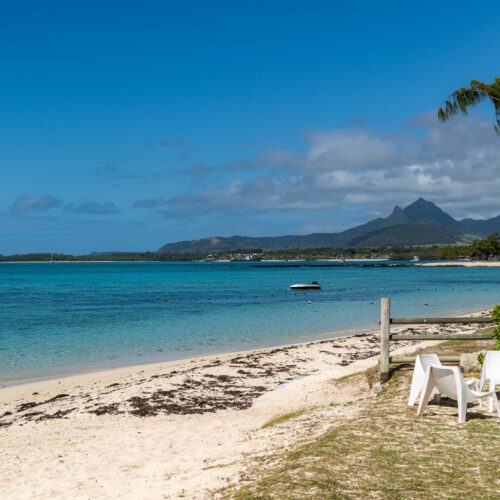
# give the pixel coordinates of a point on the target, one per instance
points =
(421, 223)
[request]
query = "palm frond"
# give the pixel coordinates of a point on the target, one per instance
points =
(459, 102)
(465, 98)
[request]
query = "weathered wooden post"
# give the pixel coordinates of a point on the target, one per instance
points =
(385, 331)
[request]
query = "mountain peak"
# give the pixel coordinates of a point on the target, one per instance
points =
(426, 210)
(421, 202)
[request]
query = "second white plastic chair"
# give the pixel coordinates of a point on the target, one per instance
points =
(450, 382)
(490, 372)
(422, 362)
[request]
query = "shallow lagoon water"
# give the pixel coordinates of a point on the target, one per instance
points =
(71, 317)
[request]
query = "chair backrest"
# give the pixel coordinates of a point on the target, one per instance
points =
(491, 365)
(449, 381)
(426, 360)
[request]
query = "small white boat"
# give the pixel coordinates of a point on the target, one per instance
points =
(314, 285)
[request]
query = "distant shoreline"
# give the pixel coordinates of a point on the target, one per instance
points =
(405, 263)
(451, 263)
(222, 261)
(85, 261)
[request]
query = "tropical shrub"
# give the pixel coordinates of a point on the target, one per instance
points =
(495, 314)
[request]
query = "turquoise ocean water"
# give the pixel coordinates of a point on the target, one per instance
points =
(71, 317)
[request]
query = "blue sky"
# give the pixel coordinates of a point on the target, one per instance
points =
(126, 125)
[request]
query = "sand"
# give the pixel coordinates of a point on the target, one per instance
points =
(188, 428)
(456, 263)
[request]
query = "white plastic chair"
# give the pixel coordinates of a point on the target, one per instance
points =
(422, 362)
(490, 372)
(450, 382)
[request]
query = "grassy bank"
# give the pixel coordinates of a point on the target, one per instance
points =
(389, 452)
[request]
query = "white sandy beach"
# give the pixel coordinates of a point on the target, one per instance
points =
(183, 428)
(477, 263)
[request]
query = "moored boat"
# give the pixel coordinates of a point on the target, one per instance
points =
(314, 285)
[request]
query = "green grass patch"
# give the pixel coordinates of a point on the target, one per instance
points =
(457, 347)
(283, 418)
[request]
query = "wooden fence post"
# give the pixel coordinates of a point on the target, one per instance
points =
(385, 330)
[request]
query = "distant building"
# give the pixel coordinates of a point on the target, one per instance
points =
(244, 257)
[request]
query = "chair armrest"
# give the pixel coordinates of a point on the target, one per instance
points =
(472, 382)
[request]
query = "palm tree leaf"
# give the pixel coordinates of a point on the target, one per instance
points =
(465, 98)
(459, 102)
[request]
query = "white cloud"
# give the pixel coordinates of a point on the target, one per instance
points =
(456, 165)
(33, 204)
(344, 149)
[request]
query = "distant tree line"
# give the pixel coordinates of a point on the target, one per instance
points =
(101, 257)
(485, 249)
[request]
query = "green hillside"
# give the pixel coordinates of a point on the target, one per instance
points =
(420, 223)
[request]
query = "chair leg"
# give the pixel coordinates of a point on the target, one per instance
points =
(494, 402)
(491, 399)
(462, 410)
(414, 390)
(424, 397)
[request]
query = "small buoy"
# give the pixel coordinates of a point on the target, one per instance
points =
(309, 302)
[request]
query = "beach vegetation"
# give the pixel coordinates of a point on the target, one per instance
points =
(483, 249)
(283, 418)
(486, 248)
(464, 98)
(495, 314)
